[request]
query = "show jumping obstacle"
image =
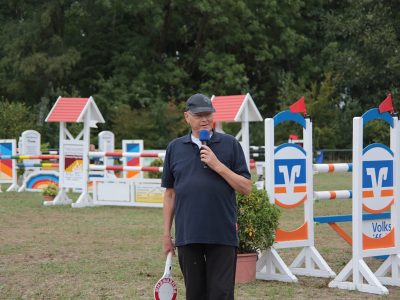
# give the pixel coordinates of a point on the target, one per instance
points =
(74, 167)
(37, 174)
(289, 184)
(376, 175)
(375, 190)
(133, 189)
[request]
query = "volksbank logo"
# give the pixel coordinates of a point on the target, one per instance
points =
(377, 179)
(290, 176)
(290, 180)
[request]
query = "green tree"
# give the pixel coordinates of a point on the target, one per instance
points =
(321, 106)
(139, 54)
(157, 126)
(362, 44)
(15, 117)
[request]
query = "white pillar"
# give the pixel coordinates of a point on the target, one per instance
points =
(246, 135)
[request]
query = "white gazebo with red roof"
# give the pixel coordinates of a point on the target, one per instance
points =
(73, 154)
(237, 108)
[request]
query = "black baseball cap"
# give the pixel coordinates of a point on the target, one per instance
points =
(199, 103)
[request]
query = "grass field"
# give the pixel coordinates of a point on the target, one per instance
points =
(115, 252)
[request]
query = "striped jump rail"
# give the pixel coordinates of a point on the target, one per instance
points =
(45, 165)
(125, 168)
(125, 154)
(50, 152)
(29, 156)
(333, 168)
(332, 195)
(257, 148)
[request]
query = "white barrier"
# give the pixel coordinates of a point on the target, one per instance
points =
(128, 192)
(138, 191)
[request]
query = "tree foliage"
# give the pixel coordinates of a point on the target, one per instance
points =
(15, 118)
(140, 58)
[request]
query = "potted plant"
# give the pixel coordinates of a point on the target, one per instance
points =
(50, 192)
(257, 223)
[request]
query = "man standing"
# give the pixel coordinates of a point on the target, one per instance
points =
(200, 182)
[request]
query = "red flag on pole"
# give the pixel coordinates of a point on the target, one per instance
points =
(386, 105)
(298, 107)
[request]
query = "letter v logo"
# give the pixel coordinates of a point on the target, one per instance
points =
(377, 182)
(289, 179)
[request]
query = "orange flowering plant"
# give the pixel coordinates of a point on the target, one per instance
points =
(257, 221)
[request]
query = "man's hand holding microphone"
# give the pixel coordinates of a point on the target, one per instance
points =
(207, 156)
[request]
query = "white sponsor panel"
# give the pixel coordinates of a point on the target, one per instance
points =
(73, 164)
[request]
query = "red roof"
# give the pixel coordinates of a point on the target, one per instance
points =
(227, 107)
(67, 109)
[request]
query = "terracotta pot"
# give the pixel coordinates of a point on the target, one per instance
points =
(246, 268)
(48, 198)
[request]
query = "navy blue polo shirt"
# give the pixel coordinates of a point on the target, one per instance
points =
(205, 207)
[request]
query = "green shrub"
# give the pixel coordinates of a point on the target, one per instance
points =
(15, 117)
(50, 190)
(257, 221)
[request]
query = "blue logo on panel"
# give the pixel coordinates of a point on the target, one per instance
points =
(377, 178)
(290, 171)
(378, 172)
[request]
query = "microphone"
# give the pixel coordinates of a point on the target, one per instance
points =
(204, 137)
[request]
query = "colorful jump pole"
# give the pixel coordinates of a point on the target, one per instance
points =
(332, 168)
(125, 168)
(39, 165)
(29, 157)
(331, 195)
(125, 154)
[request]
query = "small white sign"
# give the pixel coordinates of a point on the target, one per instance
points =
(73, 164)
(30, 145)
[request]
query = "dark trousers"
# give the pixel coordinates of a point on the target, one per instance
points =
(208, 271)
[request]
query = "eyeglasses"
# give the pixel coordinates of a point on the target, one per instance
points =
(199, 116)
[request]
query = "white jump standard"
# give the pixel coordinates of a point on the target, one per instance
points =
(73, 157)
(376, 175)
(289, 184)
